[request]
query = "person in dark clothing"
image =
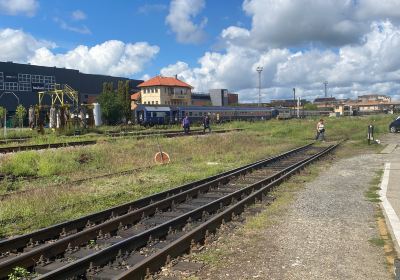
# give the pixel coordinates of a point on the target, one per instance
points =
(186, 124)
(206, 124)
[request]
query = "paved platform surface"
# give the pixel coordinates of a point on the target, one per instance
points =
(390, 189)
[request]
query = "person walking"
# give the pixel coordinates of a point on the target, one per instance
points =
(320, 130)
(186, 124)
(206, 124)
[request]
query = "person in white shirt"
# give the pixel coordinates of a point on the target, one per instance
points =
(320, 130)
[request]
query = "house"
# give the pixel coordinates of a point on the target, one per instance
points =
(165, 90)
(374, 98)
(135, 99)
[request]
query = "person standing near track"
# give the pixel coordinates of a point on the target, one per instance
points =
(206, 124)
(186, 124)
(320, 130)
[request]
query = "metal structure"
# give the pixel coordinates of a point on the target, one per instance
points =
(326, 88)
(259, 70)
(58, 95)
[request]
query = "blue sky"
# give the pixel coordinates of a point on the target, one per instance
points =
(216, 44)
(127, 21)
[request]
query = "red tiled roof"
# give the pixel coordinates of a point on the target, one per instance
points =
(135, 96)
(164, 81)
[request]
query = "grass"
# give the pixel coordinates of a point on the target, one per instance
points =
(372, 193)
(377, 242)
(192, 158)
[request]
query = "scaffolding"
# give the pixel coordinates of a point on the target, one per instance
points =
(58, 95)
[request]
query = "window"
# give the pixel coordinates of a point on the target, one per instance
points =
(11, 86)
(152, 102)
(1, 86)
(24, 78)
(156, 102)
(37, 79)
(25, 87)
(49, 86)
(1, 77)
(49, 79)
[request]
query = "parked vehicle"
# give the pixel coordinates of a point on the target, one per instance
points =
(394, 126)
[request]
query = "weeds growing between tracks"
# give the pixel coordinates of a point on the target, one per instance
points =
(192, 158)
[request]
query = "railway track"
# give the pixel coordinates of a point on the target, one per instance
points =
(127, 241)
(13, 149)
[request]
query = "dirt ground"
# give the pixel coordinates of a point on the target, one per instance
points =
(328, 231)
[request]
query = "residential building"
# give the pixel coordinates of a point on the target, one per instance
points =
(375, 98)
(165, 90)
(326, 102)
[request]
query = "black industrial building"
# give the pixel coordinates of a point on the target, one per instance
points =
(20, 83)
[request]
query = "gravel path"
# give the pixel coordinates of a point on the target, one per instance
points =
(323, 235)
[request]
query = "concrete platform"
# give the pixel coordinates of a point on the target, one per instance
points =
(390, 195)
(389, 149)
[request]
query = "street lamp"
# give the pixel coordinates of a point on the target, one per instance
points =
(259, 70)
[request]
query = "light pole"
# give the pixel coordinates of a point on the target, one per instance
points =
(259, 70)
(326, 88)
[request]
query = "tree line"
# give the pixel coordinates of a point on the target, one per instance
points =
(115, 104)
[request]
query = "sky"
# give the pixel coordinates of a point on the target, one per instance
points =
(354, 45)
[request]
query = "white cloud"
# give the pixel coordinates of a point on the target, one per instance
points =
(15, 7)
(181, 14)
(287, 23)
(78, 15)
(372, 66)
(111, 57)
(83, 29)
(382, 9)
(19, 46)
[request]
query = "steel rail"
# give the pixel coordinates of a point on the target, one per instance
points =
(182, 244)
(140, 240)
(164, 200)
(19, 148)
(12, 149)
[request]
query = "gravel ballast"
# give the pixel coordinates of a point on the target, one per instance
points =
(324, 233)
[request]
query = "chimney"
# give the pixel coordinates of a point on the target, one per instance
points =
(176, 76)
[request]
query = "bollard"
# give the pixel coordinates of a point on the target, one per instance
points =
(370, 134)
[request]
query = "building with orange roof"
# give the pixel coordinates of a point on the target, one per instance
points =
(165, 90)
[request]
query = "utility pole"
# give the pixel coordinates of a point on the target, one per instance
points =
(5, 124)
(326, 89)
(259, 70)
(294, 98)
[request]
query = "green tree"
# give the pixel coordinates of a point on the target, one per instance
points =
(125, 99)
(20, 114)
(110, 104)
(3, 111)
(310, 107)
